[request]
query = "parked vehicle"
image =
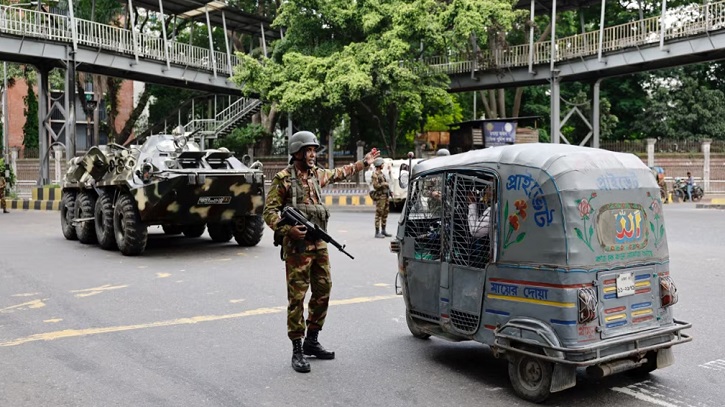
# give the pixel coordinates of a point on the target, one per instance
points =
(113, 193)
(680, 191)
(553, 255)
(398, 173)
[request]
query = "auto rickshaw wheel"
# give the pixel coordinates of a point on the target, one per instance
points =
(413, 327)
(530, 376)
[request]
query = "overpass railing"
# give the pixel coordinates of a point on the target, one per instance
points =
(692, 20)
(57, 28)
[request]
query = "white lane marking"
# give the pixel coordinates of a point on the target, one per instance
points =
(643, 397)
(659, 394)
(717, 364)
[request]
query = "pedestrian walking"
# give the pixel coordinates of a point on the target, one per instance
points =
(307, 262)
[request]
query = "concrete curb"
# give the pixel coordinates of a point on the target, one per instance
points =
(352, 201)
(710, 206)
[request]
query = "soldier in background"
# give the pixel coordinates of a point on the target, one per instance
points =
(381, 196)
(3, 185)
(307, 262)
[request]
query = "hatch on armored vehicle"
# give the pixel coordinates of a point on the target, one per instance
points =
(113, 193)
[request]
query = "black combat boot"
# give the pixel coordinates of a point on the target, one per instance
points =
(384, 233)
(299, 362)
(313, 348)
(378, 234)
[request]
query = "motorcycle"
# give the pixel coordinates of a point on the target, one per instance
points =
(680, 191)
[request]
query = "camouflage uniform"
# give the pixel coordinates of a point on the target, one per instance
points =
(381, 197)
(307, 263)
(3, 185)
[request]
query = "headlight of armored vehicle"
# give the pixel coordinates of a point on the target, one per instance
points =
(146, 171)
(180, 142)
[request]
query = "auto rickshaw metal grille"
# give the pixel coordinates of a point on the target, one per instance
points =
(424, 217)
(451, 214)
(464, 322)
(423, 315)
(468, 220)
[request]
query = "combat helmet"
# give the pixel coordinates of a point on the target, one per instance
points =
(302, 139)
(378, 162)
(443, 152)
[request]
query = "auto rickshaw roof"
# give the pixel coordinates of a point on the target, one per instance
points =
(555, 159)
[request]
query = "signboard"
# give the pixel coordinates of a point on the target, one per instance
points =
(499, 133)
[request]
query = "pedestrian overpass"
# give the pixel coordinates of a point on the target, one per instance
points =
(50, 40)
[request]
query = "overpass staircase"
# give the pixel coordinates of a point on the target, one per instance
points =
(224, 122)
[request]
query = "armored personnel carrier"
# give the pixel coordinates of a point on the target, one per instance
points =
(113, 193)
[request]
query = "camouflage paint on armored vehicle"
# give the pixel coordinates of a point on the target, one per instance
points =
(113, 193)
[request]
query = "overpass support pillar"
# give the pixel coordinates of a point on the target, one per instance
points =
(44, 141)
(596, 119)
(706, 164)
(555, 108)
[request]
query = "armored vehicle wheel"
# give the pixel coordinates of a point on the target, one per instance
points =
(530, 376)
(131, 234)
(85, 208)
(194, 230)
(220, 232)
(67, 211)
(104, 222)
(172, 229)
(413, 327)
(248, 230)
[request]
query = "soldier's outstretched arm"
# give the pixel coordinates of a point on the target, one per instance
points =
(344, 172)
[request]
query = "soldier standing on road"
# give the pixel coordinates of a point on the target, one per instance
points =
(3, 185)
(307, 262)
(381, 196)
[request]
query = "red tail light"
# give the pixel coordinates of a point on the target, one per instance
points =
(587, 305)
(668, 291)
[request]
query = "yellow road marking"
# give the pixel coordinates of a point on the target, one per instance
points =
(87, 292)
(235, 301)
(381, 285)
(163, 275)
(52, 320)
(74, 333)
(26, 305)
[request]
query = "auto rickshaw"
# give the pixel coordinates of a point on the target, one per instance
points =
(553, 255)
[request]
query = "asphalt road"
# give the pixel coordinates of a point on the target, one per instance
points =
(195, 323)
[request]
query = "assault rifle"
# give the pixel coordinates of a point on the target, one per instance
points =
(293, 217)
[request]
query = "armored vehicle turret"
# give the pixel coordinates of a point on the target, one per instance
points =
(113, 193)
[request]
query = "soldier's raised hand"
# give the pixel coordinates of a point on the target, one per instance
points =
(371, 156)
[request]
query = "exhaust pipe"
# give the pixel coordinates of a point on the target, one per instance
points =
(614, 367)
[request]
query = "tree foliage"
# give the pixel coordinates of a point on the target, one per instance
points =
(31, 126)
(362, 60)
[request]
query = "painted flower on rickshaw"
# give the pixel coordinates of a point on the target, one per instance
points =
(585, 210)
(657, 229)
(514, 223)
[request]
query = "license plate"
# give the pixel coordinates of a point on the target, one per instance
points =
(625, 284)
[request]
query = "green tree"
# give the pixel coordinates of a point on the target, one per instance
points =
(682, 107)
(32, 125)
(362, 59)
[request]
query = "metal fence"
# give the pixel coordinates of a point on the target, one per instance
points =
(662, 146)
